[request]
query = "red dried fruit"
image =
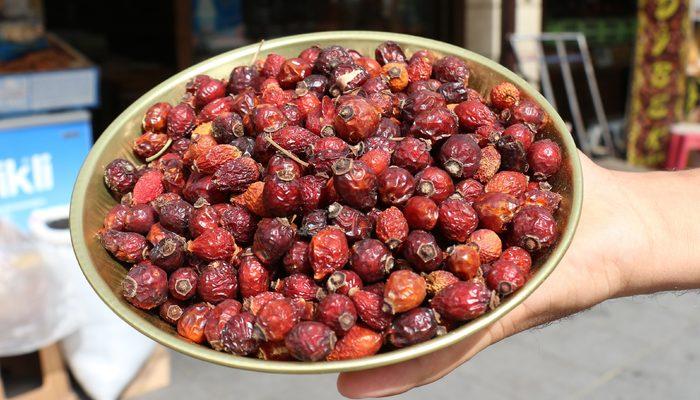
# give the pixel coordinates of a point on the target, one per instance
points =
(203, 219)
(438, 280)
(355, 120)
(358, 342)
(217, 282)
(396, 75)
(395, 186)
(216, 322)
(419, 69)
(299, 285)
(280, 162)
(431, 85)
(513, 156)
(415, 326)
(175, 215)
(451, 69)
(268, 118)
(510, 182)
(346, 78)
(282, 194)
(148, 187)
(124, 246)
(216, 244)
(371, 260)
(434, 124)
(272, 65)
(434, 183)
(369, 309)
(171, 311)
(310, 341)
(296, 261)
(460, 155)
(313, 222)
(421, 213)
(377, 160)
(338, 312)
(404, 290)
(313, 84)
(529, 113)
(157, 233)
(470, 190)
(209, 91)
(412, 154)
(237, 335)
(275, 320)
(464, 260)
(292, 71)
(310, 54)
(155, 118)
(521, 133)
(139, 218)
(457, 220)
(199, 145)
(534, 228)
(419, 101)
(193, 321)
(389, 52)
(182, 283)
(462, 301)
(145, 286)
(504, 95)
(371, 66)
(169, 253)
(489, 243)
(505, 277)
(211, 160)
(252, 199)
(454, 92)
(311, 188)
(354, 224)
(355, 183)
(115, 217)
(253, 278)
(181, 121)
(422, 251)
(518, 256)
(255, 303)
(473, 114)
(328, 251)
(543, 198)
(326, 151)
(544, 158)
(295, 139)
(236, 175)
(344, 282)
(488, 165)
(329, 58)
(241, 78)
(120, 176)
(495, 210)
(391, 227)
(272, 239)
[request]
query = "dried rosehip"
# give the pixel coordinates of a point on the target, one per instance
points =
(396, 75)
(217, 282)
(504, 95)
(292, 71)
(510, 182)
(435, 183)
(338, 312)
(431, 85)
(415, 326)
(470, 190)
(419, 69)
(454, 92)
(171, 311)
(209, 91)
(534, 228)
(326, 151)
(226, 127)
(464, 260)
(419, 101)
(316, 84)
(457, 220)
(275, 320)
(495, 210)
(237, 335)
(313, 222)
(395, 186)
(377, 160)
(252, 199)
(210, 161)
(460, 155)
(145, 286)
(434, 124)
(148, 187)
(169, 253)
(255, 303)
(331, 57)
(253, 278)
(355, 183)
(513, 156)
(543, 198)
(282, 194)
(544, 158)
(272, 239)
(181, 121)
(199, 145)
(391, 227)
(421, 213)
(473, 114)
(371, 260)
(438, 280)
(272, 65)
(462, 301)
(412, 154)
(120, 176)
(404, 290)
(310, 341)
(217, 319)
(344, 282)
(155, 118)
(422, 251)
(157, 233)
(115, 217)
(139, 218)
(529, 113)
(369, 309)
(124, 246)
(354, 224)
(389, 52)
(358, 342)
(240, 222)
(175, 216)
(505, 277)
(235, 175)
(489, 243)
(216, 244)
(310, 54)
(299, 285)
(521, 133)
(182, 283)
(211, 110)
(451, 69)
(241, 78)
(518, 256)
(280, 162)
(193, 321)
(296, 261)
(346, 78)
(355, 120)
(328, 251)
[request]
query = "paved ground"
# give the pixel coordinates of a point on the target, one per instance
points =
(635, 348)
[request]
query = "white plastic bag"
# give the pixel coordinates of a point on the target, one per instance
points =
(104, 353)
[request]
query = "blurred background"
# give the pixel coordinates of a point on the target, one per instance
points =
(624, 75)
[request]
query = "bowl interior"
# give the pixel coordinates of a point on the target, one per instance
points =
(91, 200)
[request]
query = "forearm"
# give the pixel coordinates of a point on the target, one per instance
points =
(665, 206)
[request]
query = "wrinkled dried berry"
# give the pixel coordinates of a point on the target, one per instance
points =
(377, 160)
(473, 114)
(505, 277)
(241, 78)
(369, 309)
(193, 321)
(544, 158)
(139, 218)
(435, 183)
(504, 95)
(510, 182)
(217, 282)
(438, 280)
(344, 282)
(513, 156)
(240, 222)
(457, 220)
(120, 176)
(451, 69)
(415, 326)
(391, 227)
(338, 312)
(313, 222)
(331, 57)
(115, 218)
(422, 251)
(371, 260)
(469, 190)
(253, 277)
(216, 244)
(434, 124)
(182, 283)
(237, 335)
(355, 120)
(147, 187)
(543, 198)
(464, 260)
(358, 342)
(462, 301)
(171, 311)
(346, 78)
(534, 228)
(282, 194)
(272, 239)
(488, 165)
(235, 175)
(169, 253)
(412, 154)
(460, 155)
(421, 213)
(389, 52)
(181, 121)
(328, 252)
(395, 186)
(175, 216)
(217, 319)
(145, 286)
(275, 320)
(404, 290)
(310, 341)
(489, 244)
(252, 199)
(125, 246)
(299, 285)
(495, 210)
(354, 223)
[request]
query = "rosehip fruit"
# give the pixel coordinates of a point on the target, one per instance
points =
(253, 278)
(358, 342)
(237, 336)
(217, 282)
(412, 327)
(344, 282)
(510, 182)
(338, 312)
(125, 246)
(438, 280)
(272, 239)
(355, 224)
(355, 183)
(310, 341)
(145, 286)
(404, 290)
(462, 301)
(216, 244)
(422, 251)
(275, 320)
(460, 156)
(421, 213)
(534, 228)
(457, 219)
(182, 283)
(495, 210)
(489, 244)
(355, 120)
(504, 95)
(395, 186)
(434, 183)
(505, 277)
(518, 256)
(193, 321)
(391, 227)
(451, 69)
(544, 158)
(464, 260)
(369, 309)
(328, 251)
(216, 322)
(371, 260)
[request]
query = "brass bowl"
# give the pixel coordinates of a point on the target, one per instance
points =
(91, 200)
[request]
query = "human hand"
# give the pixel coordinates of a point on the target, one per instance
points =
(614, 253)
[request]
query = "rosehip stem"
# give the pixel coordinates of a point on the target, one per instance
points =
(286, 152)
(257, 52)
(161, 152)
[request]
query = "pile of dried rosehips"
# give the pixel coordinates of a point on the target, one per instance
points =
(330, 205)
